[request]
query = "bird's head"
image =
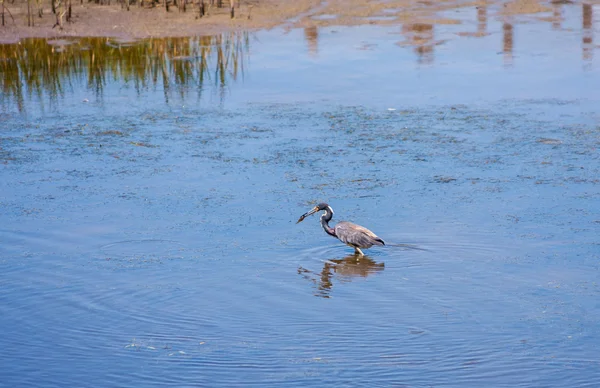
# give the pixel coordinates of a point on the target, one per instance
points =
(319, 207)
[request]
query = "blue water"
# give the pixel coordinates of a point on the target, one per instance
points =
(148, 238)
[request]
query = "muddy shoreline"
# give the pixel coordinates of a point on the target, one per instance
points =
(94, 20)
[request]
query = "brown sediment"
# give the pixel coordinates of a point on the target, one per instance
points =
(519, 7)
(91, 19)
(476, 34)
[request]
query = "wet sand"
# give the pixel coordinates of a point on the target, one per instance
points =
(112, 21)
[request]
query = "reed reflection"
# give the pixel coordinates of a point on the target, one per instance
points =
(344, 270)
(38, 68)
(482, 19)
(557, 13)
(508, 35)
(421, 36)
(587, 40)
(311, 35)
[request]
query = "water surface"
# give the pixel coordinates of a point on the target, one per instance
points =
(148, 200)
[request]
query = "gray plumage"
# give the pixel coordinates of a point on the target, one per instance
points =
(350, 234)
(355, 235)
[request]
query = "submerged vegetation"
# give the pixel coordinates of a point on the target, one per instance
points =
(38, 67)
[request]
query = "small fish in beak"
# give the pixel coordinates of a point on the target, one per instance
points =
(303, 216)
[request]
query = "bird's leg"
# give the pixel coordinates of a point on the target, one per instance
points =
(357, 251)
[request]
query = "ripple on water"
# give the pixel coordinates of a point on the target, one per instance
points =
(142, 253)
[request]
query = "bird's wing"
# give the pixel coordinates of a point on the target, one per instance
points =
(356, 235)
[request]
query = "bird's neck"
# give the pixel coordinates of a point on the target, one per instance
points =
(325, 218)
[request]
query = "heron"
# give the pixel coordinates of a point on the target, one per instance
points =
(350, 234)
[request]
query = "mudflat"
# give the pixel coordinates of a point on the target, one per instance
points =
(145, 20)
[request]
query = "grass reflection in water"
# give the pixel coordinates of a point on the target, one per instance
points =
(35, 68)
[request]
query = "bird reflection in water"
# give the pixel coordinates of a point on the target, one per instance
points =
(343, 270)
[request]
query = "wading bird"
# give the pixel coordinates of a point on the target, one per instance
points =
(350, 234)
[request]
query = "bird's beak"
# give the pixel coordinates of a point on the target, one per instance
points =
(310, 213)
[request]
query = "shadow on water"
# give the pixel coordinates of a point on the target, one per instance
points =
(35, 68)
(343, 270)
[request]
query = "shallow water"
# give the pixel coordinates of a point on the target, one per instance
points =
(148, 228)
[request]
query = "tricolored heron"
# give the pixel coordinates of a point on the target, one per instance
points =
(350, 234)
